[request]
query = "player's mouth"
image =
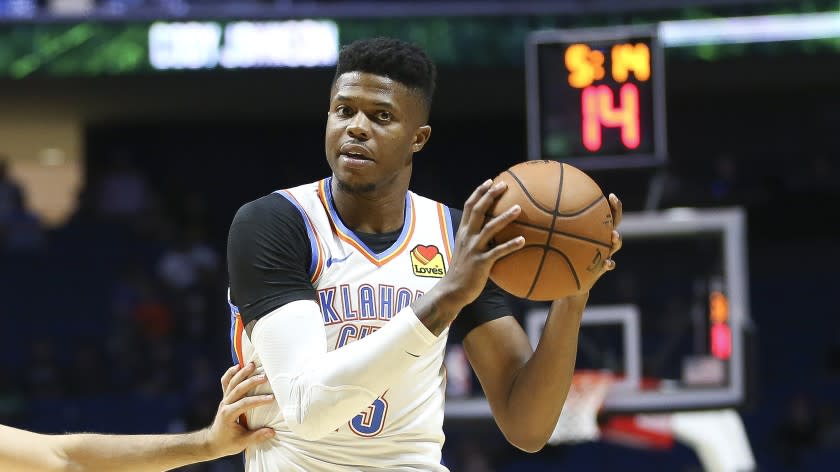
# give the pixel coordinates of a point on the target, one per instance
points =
(355, 155)
(355, 151)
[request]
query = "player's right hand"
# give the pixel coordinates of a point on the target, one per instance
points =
(474, 254)
(226, 436)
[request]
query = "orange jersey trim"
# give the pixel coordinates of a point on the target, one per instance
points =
(239, 329)
(346, 235)
(319, 257)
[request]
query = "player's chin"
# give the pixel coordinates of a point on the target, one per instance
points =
(353, 183)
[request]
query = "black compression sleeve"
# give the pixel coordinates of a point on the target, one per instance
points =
(268, 257)
(490, 305)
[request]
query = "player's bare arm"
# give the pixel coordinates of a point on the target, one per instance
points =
(472, 260)
(526, 389)
(30, 452)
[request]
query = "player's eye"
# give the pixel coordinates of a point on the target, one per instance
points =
(343, 111)
(384, 116)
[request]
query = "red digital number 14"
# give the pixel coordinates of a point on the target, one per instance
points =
(598, 111)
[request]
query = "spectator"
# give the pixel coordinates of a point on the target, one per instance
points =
(188, 261)
(124, 193)
(10, 192)
(20, 230)
(152, 315)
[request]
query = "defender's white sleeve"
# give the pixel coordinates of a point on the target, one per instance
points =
(318, 391)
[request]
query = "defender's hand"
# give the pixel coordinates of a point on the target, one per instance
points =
(226, 436)
(474, 256)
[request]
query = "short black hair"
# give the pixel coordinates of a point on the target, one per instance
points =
(396, 59)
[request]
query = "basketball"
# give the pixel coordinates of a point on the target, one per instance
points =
(567, 226)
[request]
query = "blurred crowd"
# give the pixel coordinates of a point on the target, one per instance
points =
(154, 332)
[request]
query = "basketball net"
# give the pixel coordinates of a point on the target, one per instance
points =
(718, 436)
(578, 421)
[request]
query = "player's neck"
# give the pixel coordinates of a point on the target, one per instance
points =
(371, 212)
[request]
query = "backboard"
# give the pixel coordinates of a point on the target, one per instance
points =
(670, 321)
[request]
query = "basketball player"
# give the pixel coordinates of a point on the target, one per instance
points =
(30, 452)
(344, 290)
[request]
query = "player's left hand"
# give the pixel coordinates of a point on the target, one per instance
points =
(608, 263)
(226, 436)
(617, 213)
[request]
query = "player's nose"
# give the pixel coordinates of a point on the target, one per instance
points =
(359, 127)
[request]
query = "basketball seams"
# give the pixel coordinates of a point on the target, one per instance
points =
(582, 210)
(554, 212)
(546, 248)
(528, 194)
(550, 233)
(562, 233)
(568, 263)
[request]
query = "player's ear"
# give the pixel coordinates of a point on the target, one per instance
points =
(421, 137)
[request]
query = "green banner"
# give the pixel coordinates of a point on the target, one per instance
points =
(109, 48)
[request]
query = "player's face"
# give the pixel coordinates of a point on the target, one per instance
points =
(374, 126)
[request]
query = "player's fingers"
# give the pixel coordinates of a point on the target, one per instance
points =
(473, 199)
(239, 407)
(617, 242)
(238, 377)
(498, 223)
(506, 248)
(258, 436)
(609, 265)
(479, 211)
(617, 209)
(228, 375)
(241, 390)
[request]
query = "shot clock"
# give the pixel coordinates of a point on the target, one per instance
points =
(596, 97)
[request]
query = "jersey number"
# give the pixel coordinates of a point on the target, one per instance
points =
(370, 422)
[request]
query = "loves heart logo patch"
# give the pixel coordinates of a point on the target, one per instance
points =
(427, 261)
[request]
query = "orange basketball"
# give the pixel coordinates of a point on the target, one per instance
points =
(567, 225)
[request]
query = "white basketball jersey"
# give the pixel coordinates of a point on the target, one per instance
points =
(359, 291)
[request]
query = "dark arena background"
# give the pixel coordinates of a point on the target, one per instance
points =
(131, 131)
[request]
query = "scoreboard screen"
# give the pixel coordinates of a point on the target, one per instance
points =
(596, 98)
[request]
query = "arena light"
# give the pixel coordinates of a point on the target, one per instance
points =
(243, 44)
(753, 29)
